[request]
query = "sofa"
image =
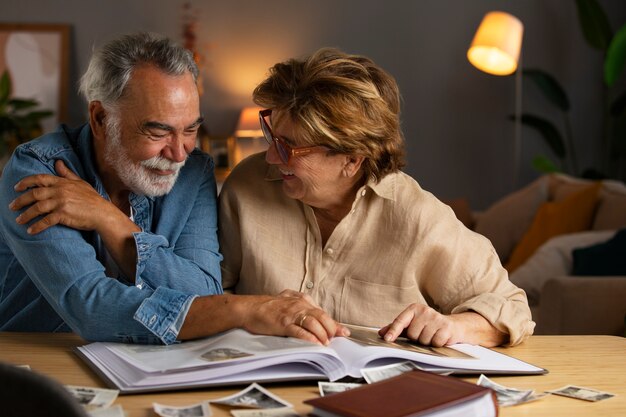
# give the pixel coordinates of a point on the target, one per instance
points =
(558, 237)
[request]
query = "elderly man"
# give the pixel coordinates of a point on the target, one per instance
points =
(110, 230)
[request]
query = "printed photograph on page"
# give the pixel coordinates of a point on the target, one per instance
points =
(369, 337)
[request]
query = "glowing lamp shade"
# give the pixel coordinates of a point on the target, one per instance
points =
(248, 124)
(497, 44)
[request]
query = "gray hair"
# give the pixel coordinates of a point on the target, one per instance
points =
(112, 65)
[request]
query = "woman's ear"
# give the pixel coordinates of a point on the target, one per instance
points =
(352, 165)
(97, 114)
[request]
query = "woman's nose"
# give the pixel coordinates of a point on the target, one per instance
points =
(272, 157)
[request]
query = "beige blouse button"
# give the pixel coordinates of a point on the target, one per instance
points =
(309, 284)
(330, 251)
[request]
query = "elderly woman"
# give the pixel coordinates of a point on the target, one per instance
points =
(327, 212)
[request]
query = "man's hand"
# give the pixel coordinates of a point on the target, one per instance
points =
(65, 199)
(69, 200)
(423, 324)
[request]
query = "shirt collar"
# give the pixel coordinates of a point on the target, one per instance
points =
(385, 188)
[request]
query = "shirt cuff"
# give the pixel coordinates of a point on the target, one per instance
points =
(146, 244)
(164, 312)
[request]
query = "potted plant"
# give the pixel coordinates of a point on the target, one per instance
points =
(20, 119)
(598, 34)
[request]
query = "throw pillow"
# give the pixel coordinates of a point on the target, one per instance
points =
(570, 215)
(553, 259)
(506, 221)
(562, 186)
(602, 259)
(611, 212)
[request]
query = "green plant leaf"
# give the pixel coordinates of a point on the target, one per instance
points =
(5, 87)
(615, 57)
(543, 164)
(38, 115)
(619, 105)
(20, 104)
(594, 23)
(549, 86)
(548, 131)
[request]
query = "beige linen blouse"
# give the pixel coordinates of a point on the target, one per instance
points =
(398, 245)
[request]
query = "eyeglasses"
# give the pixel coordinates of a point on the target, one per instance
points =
(285, 151)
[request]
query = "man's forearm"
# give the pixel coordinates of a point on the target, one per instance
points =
(212, 314)
(117, 236)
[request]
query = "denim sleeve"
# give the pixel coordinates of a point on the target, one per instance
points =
(62, 265)
(183, 253)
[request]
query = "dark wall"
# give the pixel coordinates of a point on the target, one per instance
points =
(459, 140)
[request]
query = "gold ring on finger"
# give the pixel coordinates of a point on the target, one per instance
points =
(302, 320)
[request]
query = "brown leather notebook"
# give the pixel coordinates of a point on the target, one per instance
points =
(415, 393)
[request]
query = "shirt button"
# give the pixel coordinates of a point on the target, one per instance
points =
(309, 284)
(330, 251)
(152, 320)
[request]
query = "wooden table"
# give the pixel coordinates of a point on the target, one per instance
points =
(592, 361)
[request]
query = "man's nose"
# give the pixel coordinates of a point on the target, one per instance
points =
(177, 150)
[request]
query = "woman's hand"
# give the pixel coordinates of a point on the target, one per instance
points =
(289, 314)
(292, 314)
(427, 326)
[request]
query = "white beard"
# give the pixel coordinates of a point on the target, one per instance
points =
(138, 177)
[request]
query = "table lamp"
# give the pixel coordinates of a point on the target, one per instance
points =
(496, 49)
(248, 134)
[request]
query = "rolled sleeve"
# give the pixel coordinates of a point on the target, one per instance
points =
(164, 313)
(508, 315)
(146, 245)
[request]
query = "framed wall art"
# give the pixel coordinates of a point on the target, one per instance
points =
(36, 57)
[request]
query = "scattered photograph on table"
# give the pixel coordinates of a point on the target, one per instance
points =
(254, 396)
(195, 410)
(380, 373)
(273, 412)
(93, 398)
(581, 393)
(508, 396)
(113, 411)
(327, 388)
(223, 354)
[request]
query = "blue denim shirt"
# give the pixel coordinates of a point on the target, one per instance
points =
(55, 281)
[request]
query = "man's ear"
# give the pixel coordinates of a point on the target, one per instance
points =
(97, 115)
(352, 165)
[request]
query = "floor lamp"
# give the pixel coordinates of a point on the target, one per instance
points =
(496, 49)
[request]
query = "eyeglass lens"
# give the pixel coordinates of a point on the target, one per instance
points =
(269, 137)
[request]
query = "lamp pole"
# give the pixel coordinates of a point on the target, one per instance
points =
(517, 145)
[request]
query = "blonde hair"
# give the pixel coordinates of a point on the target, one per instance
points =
(344, 102)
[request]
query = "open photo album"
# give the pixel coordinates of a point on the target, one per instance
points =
(238, 357)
